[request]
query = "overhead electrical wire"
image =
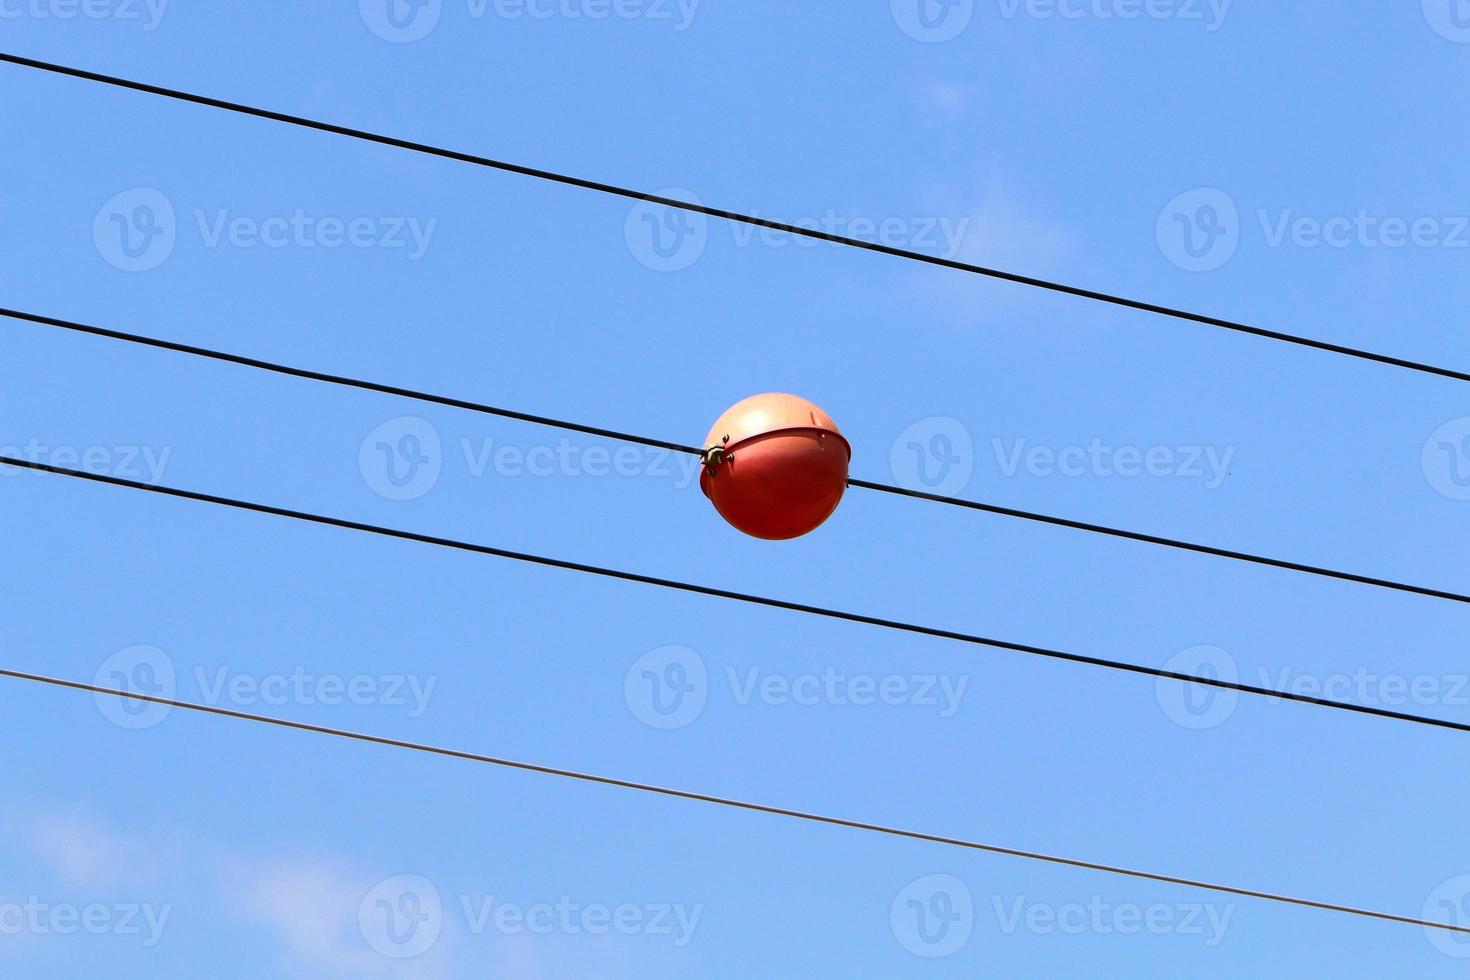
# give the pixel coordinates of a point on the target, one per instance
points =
(337, 379)
(718, 593)
(721, 593)
(605, 188)
(481, 408)
(728, 802)
(1163, 541)
(521, 416)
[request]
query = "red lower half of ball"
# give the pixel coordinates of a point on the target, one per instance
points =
(781, 484)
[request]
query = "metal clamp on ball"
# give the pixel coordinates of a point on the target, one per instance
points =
(715, 455)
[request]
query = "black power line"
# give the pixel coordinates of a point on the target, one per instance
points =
(727, 802)
(1202, 549)
(736, 216)
(422, 396)
(625, 576)
(337, 379)
(796, 230)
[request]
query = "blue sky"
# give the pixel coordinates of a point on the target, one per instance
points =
(1296, 166)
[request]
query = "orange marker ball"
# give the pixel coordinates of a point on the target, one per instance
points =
(775, 466)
